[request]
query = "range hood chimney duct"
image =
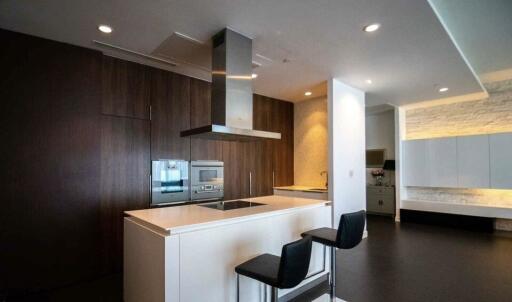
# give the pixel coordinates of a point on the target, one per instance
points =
(231, 102)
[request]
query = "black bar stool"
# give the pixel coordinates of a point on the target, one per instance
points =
(286, 271)
(349, 234)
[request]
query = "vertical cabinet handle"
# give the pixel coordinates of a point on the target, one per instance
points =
(150, 189)
(250, 184)
(273, 180)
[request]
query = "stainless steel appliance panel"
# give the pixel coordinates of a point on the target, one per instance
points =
(169, 181)
(207, 180)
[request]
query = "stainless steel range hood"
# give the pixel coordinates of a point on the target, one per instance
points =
(231, 91)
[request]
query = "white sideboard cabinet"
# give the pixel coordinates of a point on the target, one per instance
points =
(476, 161)
(501, 160)
(473, 161)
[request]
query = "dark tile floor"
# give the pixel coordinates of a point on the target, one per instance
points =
(398, 262)
(409, 262)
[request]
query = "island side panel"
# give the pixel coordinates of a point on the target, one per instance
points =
(208, 257)
(151, 265)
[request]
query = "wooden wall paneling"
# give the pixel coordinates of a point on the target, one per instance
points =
(262, 150)
(49, 231)
(282, 113)
(126, 88)
(262, 113)
(231, 156)
(200, 115)
(170, 114)
(125, 169)
(261, 166)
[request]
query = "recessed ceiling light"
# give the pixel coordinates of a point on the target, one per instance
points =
(372, 27)
(369, 81)
(444, 89)
(105, 29)
(307, 93)
(254, 75)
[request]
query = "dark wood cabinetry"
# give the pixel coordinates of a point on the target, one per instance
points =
(170, 114)
(126, 88)
(283, 149)
(275, 167)
(200, 115)
(124, 180)
(50, 178)
(77, 142)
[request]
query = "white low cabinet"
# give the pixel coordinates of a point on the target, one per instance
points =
(415, 168)
(477, 161)
(442, 162)
(473, 161)
(501, 160)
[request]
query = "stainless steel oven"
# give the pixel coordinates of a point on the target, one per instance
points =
(207, 180)
(169, 181)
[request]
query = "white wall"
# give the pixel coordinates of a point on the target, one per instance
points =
(380, 132)
(347, 166)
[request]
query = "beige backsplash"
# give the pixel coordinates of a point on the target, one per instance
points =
(310, 142)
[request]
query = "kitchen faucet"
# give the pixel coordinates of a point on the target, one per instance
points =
(326, 178)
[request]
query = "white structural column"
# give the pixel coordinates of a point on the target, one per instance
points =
(399, 154)
(347, 156)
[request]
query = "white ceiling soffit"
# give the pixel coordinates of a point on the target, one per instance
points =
(299, 43)
(483, 31)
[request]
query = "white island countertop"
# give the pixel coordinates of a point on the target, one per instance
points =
(186, 218)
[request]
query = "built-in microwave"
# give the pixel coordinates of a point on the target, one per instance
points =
(207, 180)
(169, 181)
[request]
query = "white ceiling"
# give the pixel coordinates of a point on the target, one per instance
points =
(482, 29)
(407, 59)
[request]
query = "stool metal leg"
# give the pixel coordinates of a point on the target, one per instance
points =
(332, 293)
(237, 288)
(264, 292)
(274, 294)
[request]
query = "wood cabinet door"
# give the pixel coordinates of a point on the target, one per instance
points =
(200, 115)
(126, 88)
(262, 151)
(260, 168)
(236, 169)
(50, 176)
(170, 114)
(125, 166)
(282, 121)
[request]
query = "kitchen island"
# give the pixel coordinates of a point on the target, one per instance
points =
(188, 253)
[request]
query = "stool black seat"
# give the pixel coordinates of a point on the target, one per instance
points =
(348, 235)
(286, 271)
(264, 268)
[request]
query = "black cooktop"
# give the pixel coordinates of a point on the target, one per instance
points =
(231, 205)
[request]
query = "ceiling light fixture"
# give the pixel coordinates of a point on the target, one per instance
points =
(105, 29)
(371, 28)
(307, 93)
(254, 75)
(444, 89)
(369, 81)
